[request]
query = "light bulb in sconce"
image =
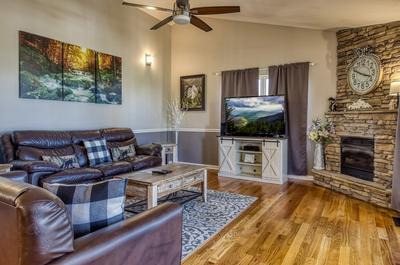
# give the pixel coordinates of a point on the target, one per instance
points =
(149, 59)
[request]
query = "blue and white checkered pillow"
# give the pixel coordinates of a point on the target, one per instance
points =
(92, 206)
(97, 152)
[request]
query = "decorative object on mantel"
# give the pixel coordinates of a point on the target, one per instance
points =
(332, 104)
(175, 115)
(360, 105)
(320, 133)
(365, 73)
(53, 70)
(193, 91)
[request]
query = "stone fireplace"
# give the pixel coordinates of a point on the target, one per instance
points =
(359, 162)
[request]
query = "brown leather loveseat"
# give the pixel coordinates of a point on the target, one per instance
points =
(24, 149)
(36, 230)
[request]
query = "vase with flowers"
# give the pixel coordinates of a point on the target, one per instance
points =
(320, 132)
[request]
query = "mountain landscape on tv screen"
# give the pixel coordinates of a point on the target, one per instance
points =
(255, 116)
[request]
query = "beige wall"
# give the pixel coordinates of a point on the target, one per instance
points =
(102, 25)
(237, 45)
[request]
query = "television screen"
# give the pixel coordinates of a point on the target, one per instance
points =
(255, 116)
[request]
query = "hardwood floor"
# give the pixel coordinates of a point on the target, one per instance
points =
(300, 223)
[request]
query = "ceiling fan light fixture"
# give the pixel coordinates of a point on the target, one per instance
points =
(182, 19)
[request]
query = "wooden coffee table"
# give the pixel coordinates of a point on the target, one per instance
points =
(144, 184)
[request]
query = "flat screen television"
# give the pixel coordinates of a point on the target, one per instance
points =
(255, 116)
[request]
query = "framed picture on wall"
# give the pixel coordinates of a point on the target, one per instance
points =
(193, 92)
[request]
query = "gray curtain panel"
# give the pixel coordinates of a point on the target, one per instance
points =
(291, 80)
(396, 169)
(238, 83)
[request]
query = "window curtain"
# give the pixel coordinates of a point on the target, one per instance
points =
(396, 168)
(291, 80)
(238, 83)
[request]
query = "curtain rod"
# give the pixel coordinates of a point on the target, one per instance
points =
(264, 69)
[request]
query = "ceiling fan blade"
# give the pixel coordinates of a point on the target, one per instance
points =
(195, 21)
(147, 7)
(162, 23)
(215, 10)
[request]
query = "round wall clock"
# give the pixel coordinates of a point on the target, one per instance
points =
(365, 74)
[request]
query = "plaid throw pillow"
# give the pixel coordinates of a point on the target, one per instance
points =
(97, 152)
(64, 162)
(92, 206)
(123, 152)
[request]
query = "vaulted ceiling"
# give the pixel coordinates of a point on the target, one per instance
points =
(315, 14)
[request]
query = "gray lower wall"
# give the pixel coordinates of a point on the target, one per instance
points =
(198, 147)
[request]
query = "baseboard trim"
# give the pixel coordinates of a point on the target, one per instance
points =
(307, 178)
(212, 167)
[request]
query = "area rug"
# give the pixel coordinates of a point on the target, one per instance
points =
(201, 221)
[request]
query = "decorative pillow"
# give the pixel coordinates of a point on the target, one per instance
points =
(123, 152)
(97, 152)
(92, 206)
(65, 162)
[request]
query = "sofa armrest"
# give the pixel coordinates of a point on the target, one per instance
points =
(149, 150)
(18, 176)
(152, 238)
(35, 166)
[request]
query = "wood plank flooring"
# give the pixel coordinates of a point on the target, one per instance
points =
(300, 223)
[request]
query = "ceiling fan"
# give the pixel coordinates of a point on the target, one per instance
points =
(182, 13)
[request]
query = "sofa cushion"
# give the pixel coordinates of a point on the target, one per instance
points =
(74, 176)
(42, 139)
(34, 153)
(117, 134)
(114, 168)
(64, 162)
(97, 152)
(123, 152)
(143, 162)
(92, 206)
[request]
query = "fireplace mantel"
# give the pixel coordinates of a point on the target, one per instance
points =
(361, 112)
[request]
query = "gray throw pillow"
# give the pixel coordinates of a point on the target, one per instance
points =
(123, 152)
(92, 206)
(64, 162)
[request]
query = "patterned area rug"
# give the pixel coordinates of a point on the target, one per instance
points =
(201, 221)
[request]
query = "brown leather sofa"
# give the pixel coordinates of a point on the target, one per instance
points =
(36, 230)
(24, 149)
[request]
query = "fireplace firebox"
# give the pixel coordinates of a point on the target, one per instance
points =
(357, 157)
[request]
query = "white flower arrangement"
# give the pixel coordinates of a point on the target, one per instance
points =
(359, 105)
(321, 131)
(175, 114)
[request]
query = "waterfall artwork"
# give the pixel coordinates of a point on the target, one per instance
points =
(53, 70)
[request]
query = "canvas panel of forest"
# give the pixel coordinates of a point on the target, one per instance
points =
(53, 70)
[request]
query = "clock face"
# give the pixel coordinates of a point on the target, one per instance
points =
(365, 74)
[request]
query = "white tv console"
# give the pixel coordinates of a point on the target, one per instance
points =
(256, 159)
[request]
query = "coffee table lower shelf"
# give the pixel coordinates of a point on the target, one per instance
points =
(180, 197)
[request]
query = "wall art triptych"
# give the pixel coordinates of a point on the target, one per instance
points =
(52, 70)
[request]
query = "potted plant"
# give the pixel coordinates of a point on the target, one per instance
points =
(320, 132)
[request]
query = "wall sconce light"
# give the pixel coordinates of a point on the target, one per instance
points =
(395, 89)
(149, 59)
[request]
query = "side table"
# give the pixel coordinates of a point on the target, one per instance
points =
(169, 153)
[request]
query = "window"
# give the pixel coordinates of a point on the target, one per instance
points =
(263, 85)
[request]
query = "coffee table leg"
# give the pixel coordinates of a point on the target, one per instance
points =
(151, 197)
(204, 186)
